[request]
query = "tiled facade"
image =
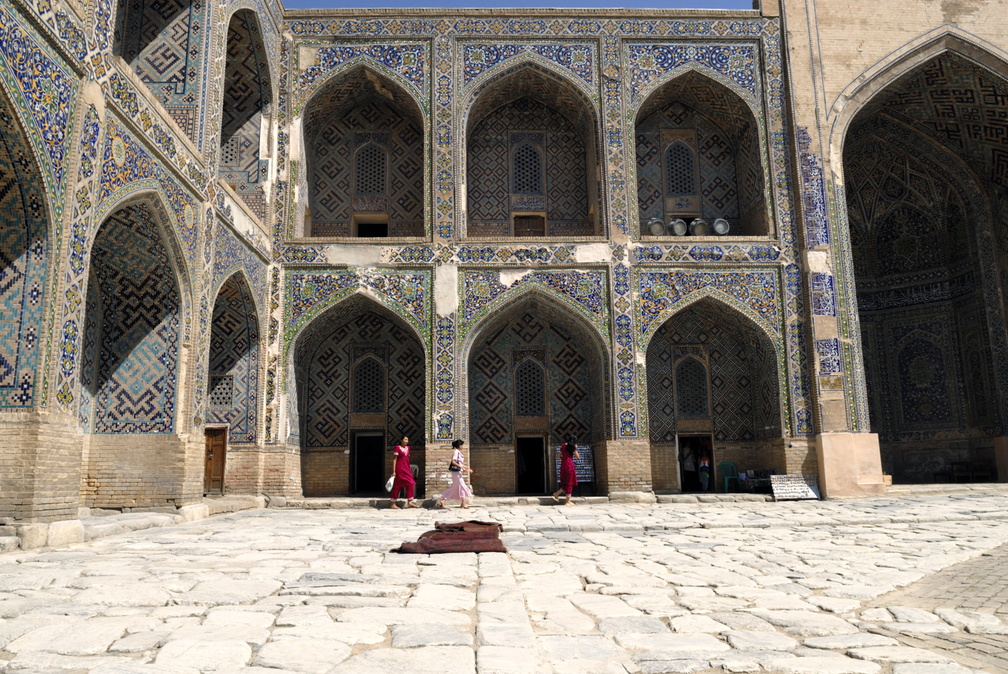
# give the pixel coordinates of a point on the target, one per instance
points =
(246, 210)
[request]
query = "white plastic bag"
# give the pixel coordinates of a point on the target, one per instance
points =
(388, 485)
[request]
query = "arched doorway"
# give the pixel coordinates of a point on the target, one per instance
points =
(360, 377)
(245, 113)
(232, 378)
(531, 158)
(924, 184)
(712, 390)
(536, 373)
(699, 160)
(363, 140)
(130, 362)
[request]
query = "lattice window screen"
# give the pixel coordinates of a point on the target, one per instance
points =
(691, 390)
(370, 169)
(680, 170)
(530, 390)
(221, 391)
(527, 170)
(369, 387)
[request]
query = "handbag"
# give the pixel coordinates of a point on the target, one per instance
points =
(388, 485)
(452, 467)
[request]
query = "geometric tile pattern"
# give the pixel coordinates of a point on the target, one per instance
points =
(24, 248)
(234, 354)
(489, 170)
(353, 112)
(718, 184)
(731, 170)
(333, 350)
(247, 94)
(163, 40)
(919, 264)
(529, 340)
(132, 336)
(724, 349)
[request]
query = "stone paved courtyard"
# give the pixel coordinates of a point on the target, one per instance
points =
(911, 585)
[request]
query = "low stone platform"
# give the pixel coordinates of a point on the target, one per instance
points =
(98, 523)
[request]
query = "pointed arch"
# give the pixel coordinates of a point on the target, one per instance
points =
(245, 111)
(25, 263)
(133, 332)
(361, 107)
(233, 364)
(526, 100)
(323, 359)
(901, 62)
(717, 121)
(712, 371)
(539, 302)
(152, 195)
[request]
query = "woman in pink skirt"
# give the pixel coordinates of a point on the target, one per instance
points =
(403, 475)
(568, 472)
(458, 491)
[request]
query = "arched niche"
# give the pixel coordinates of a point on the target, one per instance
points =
(132, 363)
(245, 142)
(233, 367)
(364, 148)
(698, 156)
(923, 182)
(709, 350)
(532, 158)
(24, 264)
(535, 372)
(356, 353)
(129, 371)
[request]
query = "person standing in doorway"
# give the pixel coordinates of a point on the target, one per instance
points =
(459, 490)
(704, 466)
(403, 475)
(568, 471)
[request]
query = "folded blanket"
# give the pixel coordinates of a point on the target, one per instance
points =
(470, 536)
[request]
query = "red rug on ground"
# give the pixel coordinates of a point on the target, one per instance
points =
(469, 536)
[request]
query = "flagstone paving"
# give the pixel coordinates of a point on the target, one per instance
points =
(911, 585)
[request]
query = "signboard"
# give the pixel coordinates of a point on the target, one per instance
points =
(583, 467)
(795, 487)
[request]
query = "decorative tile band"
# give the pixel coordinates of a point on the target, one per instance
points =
(648, 62)
(479, 58)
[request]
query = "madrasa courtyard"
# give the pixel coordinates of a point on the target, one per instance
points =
(913, 584)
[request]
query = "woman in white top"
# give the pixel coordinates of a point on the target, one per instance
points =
(459, 490)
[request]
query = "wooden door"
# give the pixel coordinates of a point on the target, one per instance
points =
(216, 450)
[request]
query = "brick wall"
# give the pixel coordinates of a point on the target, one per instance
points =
(493, 469)
(39, 468)
(125, 471)
(628, 465)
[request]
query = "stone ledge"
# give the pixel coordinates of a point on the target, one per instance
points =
(101, 523)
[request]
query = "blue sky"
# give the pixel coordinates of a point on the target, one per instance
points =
(565, 4)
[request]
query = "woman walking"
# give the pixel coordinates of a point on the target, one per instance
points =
(568, 472)
(403, 475)
(459, 490)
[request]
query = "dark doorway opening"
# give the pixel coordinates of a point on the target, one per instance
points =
(213, 471)
(367, 464)
(530, 465)
(693, 451)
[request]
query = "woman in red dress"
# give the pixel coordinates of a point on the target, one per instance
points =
(403, 475)
(568, 472)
